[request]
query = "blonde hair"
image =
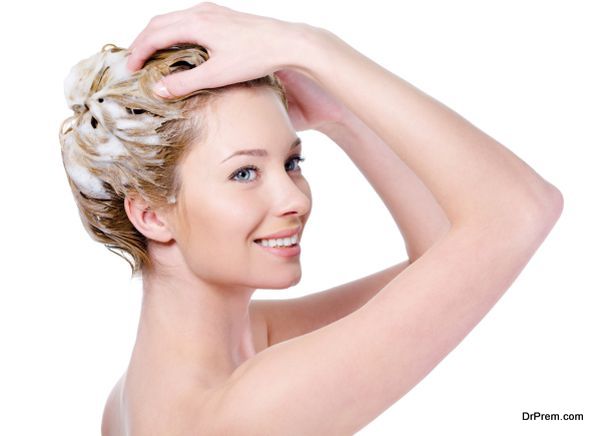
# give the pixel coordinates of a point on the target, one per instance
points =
(123, 140)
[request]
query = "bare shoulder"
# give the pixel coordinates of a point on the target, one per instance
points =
(158, 406)
(145, 401)
(111, 417)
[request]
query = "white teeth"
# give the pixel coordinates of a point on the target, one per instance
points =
(279, 242)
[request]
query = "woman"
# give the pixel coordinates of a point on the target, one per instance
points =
(207, 359)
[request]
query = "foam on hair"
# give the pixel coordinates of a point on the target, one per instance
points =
(109, 126)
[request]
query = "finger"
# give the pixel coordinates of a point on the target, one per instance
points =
(177, 32)
(205, 75)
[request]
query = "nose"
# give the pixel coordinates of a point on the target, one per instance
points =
(291, 195)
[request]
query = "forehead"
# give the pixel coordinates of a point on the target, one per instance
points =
(243, 118)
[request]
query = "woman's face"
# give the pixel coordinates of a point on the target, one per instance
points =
(227, 202)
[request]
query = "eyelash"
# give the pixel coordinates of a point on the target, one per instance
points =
(297, 158)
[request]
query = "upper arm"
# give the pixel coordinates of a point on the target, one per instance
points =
(337, 379)
(288, 318)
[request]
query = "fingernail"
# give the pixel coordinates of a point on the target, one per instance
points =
(161, 90)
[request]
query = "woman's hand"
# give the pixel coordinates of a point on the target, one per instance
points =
(309, 106)
(240, 46)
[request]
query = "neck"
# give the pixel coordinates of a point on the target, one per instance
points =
(191, 323)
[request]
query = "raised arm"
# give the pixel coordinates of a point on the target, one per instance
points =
(337, 379)
(473, 177)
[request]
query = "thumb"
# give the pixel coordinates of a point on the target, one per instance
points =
(185, 82)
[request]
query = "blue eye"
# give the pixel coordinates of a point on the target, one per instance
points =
(249, 168)
(244, 170)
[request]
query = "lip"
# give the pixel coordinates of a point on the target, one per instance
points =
(292, 251)
(282, 234)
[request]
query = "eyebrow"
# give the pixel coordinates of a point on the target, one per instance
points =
(261, 152)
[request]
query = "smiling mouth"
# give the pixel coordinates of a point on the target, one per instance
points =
(272, 244)
(275, 246)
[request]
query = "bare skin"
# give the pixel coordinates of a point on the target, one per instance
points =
(375, 338)
(197, 324)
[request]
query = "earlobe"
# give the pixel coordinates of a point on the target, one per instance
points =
(147, 221)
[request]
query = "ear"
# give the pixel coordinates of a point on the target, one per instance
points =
(148, 222)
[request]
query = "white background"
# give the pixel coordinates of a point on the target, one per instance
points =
(525, 72)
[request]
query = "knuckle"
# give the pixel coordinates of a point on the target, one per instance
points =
(145, 45)
(206, 6)
(156, 20)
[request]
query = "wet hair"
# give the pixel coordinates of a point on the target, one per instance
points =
(123, 140)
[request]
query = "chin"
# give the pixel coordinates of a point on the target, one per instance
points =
(282, 283)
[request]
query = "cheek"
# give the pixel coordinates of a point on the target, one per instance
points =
(222, 221)
(236, 208)
(217, 242)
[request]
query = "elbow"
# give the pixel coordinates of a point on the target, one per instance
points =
(557, 202)
(528, 219)
(541, 214)
(550, 205)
